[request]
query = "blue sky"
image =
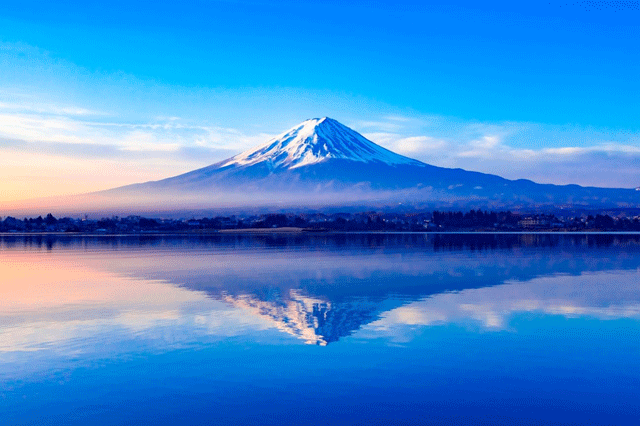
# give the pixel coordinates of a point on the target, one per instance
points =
(540, 90)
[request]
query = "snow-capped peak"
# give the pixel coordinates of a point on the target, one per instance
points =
(314, 141)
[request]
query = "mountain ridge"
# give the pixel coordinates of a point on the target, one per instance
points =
(313, 141)
(321, 163)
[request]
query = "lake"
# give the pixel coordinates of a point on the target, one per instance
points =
(372, 329)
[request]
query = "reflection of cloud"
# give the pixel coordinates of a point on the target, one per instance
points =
(63, 334)
(68, 300)
(610, 295)
(53, 303)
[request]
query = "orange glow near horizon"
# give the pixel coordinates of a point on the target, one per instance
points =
(56, 282)
(28, 176)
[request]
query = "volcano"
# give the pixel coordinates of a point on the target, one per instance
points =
(322, 163)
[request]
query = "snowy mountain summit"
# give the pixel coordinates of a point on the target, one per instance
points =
(315, 141)
(321, 162)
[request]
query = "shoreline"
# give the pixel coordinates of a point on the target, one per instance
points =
(306, 231)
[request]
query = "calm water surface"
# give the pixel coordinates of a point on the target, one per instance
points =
(320, 330)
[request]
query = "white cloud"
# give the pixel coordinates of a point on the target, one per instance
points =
(45, 99)
(569, 150)
(418, 144)
(543, 153)
(397, 118)
(512, 150)
(44, 108)
(69, 136)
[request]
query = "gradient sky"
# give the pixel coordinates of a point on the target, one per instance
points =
(97, 96)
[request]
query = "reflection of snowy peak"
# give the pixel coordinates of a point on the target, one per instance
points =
(314, 141)
(313, 320)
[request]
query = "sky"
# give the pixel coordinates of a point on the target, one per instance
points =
(94, 96)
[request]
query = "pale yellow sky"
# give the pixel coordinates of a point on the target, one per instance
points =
(34, 175)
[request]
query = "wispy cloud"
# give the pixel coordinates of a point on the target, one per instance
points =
(543, 153)
(66, 131)
(137, 151)
(47, 109)
(49, 150)
(84, 115)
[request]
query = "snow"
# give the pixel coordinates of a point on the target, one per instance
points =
(314, 141)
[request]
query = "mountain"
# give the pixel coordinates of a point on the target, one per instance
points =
(316, 141)
(321, 162)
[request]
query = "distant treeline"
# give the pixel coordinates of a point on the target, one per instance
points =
(473, 220)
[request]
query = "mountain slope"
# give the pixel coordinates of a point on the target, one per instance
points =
(314, 141)
(321, 162)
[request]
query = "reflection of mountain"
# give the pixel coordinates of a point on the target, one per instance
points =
(322, 296)
(314, 320)
(324, 288)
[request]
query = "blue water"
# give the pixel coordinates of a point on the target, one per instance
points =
(354, 330)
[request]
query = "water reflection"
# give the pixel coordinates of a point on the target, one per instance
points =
(434, 242)
(65, 305)
(604, 296)
(69, 294)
